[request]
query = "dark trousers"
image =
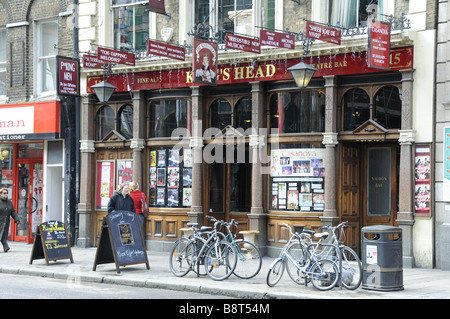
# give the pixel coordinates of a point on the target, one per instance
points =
(5, 238)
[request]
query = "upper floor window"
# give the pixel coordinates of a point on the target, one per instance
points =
(47, 43)
(351, 13)
(298, 112)
(2, 61)
(235, 16)
(131, 24)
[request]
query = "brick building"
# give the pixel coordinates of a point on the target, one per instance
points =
(38, 149)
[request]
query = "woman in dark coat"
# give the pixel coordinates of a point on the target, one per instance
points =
(121, 200)
(6, 212)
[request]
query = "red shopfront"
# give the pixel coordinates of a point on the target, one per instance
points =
(23, 130)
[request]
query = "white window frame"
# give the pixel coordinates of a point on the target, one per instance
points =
(39, 58)
(130, 3)
(3, 63)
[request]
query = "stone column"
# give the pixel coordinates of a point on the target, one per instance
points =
(258, 153)
(330, 215)
(87, 152)
(138, 142)
(405, 215)
(196, 215)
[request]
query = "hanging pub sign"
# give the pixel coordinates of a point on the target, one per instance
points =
(68, 76)
(277, 39)
(114, 56)
(166, 50)
(157, 6)
(323, 33)
(92, 62)
(247, 44)
(204, 61)
(379, 45)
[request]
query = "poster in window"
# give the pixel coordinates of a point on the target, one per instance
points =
(422, 179)
(187, 197)
(124, 172)
(187, 157)
(173, 177)
(105, 183)
(152, 196)
(160, 196)
(172, 197)
(153, 158)
(187, 177)
(161, 177)
(204, 64)
(162, 158)
(174, 157)
(152, 176)
(297, 173)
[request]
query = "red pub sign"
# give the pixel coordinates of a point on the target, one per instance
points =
(241, 43)
(379, 45)
(277, 39)
(114, 56)
(68, 76)
(323, 33)
(274, 70)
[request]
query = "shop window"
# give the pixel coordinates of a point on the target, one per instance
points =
(111, 174)
(356, 108)
(243, 113)
(298, 112)
(297, 177)
(2, 61)
(351, 13)
(388, 107)
(126, 121)
(170, 177)
(6, 167)
(104, 121)
(221, 114)
(131, 24)
(168, 115)
(46, 43)
(31, 150)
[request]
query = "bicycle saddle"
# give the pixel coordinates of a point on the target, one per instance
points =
(321, 235)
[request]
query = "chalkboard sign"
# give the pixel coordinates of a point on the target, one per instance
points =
(121, 241)
(51, 242)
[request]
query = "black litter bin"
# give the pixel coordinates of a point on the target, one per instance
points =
(382, 258)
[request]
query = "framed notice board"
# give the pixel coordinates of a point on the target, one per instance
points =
(121, 241)
(51, 242)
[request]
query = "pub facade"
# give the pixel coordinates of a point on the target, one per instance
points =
(255, 147)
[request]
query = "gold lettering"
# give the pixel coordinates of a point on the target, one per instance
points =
(189, 77)
(259, 72)
(226, 74)
(270, 68)
(249, 74)
(239, 73)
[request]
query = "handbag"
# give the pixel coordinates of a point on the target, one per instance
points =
(144, 206)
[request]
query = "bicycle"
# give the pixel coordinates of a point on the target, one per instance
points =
(323, 273)
(351, 272)
(248, 255)
(217, 255)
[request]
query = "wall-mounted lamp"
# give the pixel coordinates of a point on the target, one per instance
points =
(103, 91)
(302, 74)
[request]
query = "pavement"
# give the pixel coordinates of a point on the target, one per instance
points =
(418, 283)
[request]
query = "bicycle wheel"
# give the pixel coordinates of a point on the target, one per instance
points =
(181, 257)
(198, 266)
(351, 275)
(298, 253)
(324, 274)
(220, 260)
(275, 273)
(249, 260)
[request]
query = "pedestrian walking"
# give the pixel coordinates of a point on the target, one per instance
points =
(6, 212)
(121, 200)
(139, 200)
